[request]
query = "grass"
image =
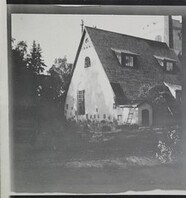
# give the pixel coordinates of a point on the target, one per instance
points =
(65, 159)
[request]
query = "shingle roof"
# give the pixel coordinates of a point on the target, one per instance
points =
(131, 80)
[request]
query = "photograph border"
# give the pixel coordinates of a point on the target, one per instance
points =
(126, 9)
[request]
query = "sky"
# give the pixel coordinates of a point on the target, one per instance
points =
(59, 35)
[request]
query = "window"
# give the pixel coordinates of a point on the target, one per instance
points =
(178, 95)
(66, 106)
(158, 38)
(81, 102)
(127, 60)
(125, 57)
(104, 116)
(87, 62)
(169, 66)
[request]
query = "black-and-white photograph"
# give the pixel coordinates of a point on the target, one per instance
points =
(96, 103)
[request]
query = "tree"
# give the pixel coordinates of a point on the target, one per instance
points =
(60, 77)
(19, 67)
(35, 62)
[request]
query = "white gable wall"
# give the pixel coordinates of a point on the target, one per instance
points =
(99, 96)
(98, 92)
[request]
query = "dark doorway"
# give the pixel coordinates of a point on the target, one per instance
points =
(145, 117)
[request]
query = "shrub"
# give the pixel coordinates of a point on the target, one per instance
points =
(168, 150)
(105, 128)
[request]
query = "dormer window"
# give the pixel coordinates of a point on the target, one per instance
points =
(178, 96)
(167, 64)
(87, 62)
(126, 58)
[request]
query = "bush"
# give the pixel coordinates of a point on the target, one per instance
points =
(105, 128)
(168, 150)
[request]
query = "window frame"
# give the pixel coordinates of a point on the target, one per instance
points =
(165, 66)
(87, 63)
(124, 62)
(81, 102)
(174, 69)
(178, 95)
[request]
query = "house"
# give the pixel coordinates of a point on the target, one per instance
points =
(165, 29)
(122, 78)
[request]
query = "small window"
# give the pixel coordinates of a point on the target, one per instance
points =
(87, 62)
(96, 109)
(158, 38)
(127, 60)
(104, 116)
(98, 115)
(169, 66)
(94, 116)
(178, 95)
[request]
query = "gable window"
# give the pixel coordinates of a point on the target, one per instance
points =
(158, 38)
(81, 102)
(87, 62)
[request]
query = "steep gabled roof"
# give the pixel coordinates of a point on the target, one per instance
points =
(131, 80)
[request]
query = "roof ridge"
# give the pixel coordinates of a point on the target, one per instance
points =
(126, 35)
